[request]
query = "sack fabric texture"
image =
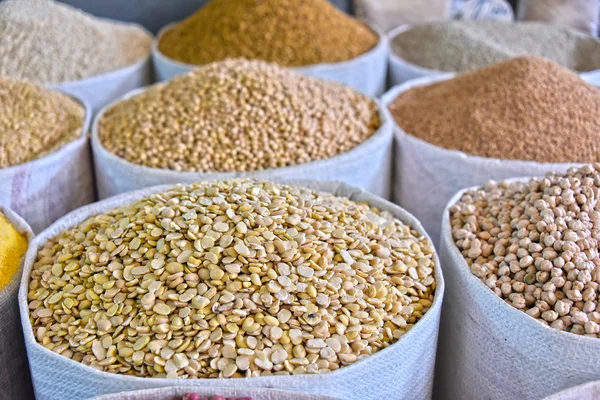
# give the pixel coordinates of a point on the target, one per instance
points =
(15, 380)
(366, 73)
(490, 350)
(43, 190)
(427, 176)
(176, 393)
(587, 391)
(403, 370)
(368, 166)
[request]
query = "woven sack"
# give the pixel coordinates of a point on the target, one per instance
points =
(403, 370)
(43, 190)
(368, 166)
(579, 14)
(490, 350)
(366, 73)
(587, 391)
(389, 14)
(427, 176)
(15, 380)
(176, 393)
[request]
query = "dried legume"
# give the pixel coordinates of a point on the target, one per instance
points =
(524, 109)
(34, 121)
(153, 289)
(238, 115)
(535, 244)
(45, 41)
(286, 32)
(460, 46)
(13, 246)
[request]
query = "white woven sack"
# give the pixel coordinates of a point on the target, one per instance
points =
(368, 166)
(587, 391)
(43, 190)
(15, 380)
(427, 176)
(389, 14)
(176, 393)
(365, 73)
(403, 370)
(401, 71)
(490, 350)
(102, 89)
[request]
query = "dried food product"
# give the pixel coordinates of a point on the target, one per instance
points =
(527, 108)
(13, 246)
(230, 279)
(460, 46)
(286, 32)
(35, 121)
(238, 115)
(45, 41)
(535, 244)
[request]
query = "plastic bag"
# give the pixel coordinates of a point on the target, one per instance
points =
(389, 14)
(43, 190)
(366, 73)
(368, 166)
(403, 370)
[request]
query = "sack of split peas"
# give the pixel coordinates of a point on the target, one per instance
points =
(15, 236)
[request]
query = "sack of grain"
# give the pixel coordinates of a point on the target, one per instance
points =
(587, 391)
(313, 37)
(367, 165)
(429, 50)
(427, 175)
(389, 14)
(403, 370)
(46, 188)
(176, 393)
(579, 14)
(490, 349)
(94, 59)
(15, 380)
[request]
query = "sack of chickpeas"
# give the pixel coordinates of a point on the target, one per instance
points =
(15, 236)
(329, 290)
(521, 316)
(587, 391)
(45, 161)
(240, 118)
(525, 116)
(182, 393)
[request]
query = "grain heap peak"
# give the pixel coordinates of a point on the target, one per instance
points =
(238, 115)
(230, 279)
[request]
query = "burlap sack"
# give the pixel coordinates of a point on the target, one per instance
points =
(587, 391)
(368, 166)
(490, 350)
(176, 393)
(365, 73)
(43, 190)
(403, 370)
(427, 176)
(15, 380)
